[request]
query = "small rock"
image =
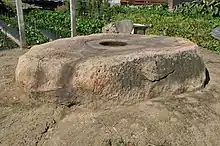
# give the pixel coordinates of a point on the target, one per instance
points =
(216, 33)
(109, 28)
(124, 26)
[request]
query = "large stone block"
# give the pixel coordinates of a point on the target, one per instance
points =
(110, 69)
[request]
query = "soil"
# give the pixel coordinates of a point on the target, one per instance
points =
(188, 119)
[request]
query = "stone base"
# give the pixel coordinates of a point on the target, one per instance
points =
(110, 69)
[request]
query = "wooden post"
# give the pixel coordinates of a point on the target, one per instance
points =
(73, 17)
(20, 23)
(171, 5)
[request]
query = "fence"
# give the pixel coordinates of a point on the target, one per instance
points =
(144, 2)
(44, 25)
(32, 21)
(19, 36)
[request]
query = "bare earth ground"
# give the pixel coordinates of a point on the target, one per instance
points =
(184, 120)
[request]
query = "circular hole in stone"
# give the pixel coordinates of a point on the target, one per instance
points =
(113, 43)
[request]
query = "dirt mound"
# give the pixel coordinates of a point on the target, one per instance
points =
(27, 125)
(188, 119)
(110, 69)
(177, 122)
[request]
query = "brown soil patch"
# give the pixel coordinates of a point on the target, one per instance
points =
(187, 119)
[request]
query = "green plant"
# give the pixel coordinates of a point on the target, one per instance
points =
(200, 7)
(59, 22)
(7, 8)
(196, 28)
(193, 26)
(5, 42)
(33, 35)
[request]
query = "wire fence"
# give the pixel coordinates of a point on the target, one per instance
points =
(7, 12)
(45, 21)
(48, 20)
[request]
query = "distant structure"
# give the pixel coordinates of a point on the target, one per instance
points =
(170, 3)
(6, 10)
(143, 2)
(173, 3)
(114, 2)
(46, 4)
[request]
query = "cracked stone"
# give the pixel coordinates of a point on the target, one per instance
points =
(110, 69)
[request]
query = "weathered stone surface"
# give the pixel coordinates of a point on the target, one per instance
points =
(216, 33)
(110, 69)
(124, 26)
(110, 28)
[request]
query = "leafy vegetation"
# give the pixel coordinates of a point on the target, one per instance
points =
(7, 8)
(193, 27)
(193, 21)
(201, 7)
(197, 28)
(34, 36)
(6, 43)
(59, 22)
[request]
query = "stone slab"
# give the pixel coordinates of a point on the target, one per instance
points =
(110, 69)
